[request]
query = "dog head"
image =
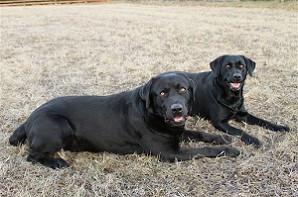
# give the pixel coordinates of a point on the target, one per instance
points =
(169, 95)
(231, 70)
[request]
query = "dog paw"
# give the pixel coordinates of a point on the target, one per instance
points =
(283, 128)
(248, 139)
(223, 139)
(231, 151)
(280, 128)
(54, 163)
(58, 163)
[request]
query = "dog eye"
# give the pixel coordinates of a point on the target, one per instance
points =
(162, 93)
(241, 66)
(182, 90)
(228, 66)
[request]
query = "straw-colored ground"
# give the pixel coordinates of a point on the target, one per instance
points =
(50, 51)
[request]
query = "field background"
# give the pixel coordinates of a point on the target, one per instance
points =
(50, 51)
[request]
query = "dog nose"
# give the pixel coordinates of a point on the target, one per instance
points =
(237, 77)
(176, 108)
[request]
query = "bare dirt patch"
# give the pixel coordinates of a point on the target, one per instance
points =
(49, 51)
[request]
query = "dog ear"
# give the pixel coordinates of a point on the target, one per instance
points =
(249, 64)
(215, 65)
(145, 91)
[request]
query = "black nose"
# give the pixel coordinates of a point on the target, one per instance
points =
(237, 77)
(176, 108)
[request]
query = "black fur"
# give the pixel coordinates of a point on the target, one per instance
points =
(219, 96)
(149, 119)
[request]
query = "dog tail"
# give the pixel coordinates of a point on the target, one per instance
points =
(18, 137)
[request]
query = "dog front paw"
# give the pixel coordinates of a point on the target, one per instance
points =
(282, 128)
(222, 139)
(231, 151)
(248, 139)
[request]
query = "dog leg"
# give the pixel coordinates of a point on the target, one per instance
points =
(46, 160)
(252, 120)
(205, 137)
(42, 147)
(190, 153)
(245, 137)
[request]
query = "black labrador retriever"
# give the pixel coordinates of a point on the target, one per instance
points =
(219, 96)
(149, 119)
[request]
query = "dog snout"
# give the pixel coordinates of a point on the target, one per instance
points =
(177, 108)
(237, 77)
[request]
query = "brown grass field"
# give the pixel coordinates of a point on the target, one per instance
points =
(50, 51)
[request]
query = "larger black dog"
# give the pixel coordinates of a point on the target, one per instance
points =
(219, 96)
(149, 119)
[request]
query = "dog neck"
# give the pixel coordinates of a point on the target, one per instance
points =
(227, 97)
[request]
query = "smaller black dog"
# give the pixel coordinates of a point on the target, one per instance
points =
(149, 119)
(219, 96)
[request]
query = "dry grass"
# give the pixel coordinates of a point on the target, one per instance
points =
(49, 51)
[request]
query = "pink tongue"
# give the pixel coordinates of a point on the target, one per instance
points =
(235, 85)
(178, 119)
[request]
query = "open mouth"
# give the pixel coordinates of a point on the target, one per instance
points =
(179, 119)
(235, 85)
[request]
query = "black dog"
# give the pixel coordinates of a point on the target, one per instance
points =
(219, 96)
(149, 119)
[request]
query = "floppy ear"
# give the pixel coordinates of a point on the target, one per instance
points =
(145, 91)
(215, 65)
(249, 64)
